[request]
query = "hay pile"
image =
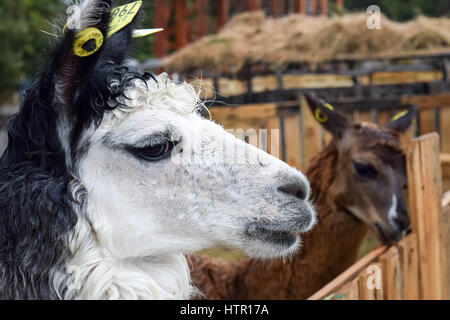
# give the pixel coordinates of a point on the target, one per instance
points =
(253, 37)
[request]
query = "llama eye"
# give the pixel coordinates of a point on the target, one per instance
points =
(154, 152)
(365, 170)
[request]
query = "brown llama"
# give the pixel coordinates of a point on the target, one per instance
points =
(357, 181)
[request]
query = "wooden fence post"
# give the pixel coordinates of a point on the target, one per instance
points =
(300, 6)
(371, 275)
(311, 133)
(161, 18)
(223, 13)
(254, 5)
(425, 192)
(392, 275)
(324, 7)
(409, 259)
(276, 7)
(203, 18)
(181, 24)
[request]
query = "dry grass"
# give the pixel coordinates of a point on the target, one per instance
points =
(253, 37)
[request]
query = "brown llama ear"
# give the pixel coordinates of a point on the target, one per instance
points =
(402, 120)
(327, 116)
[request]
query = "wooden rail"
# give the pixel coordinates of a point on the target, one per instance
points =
(416, 268)
(254, 84)
(302, 137)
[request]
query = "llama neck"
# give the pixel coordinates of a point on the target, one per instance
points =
(329, 249)
(95, 273)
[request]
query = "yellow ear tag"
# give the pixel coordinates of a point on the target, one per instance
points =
(87, 42)
(320, 116)
(329, 106)
(122, 16)
(399, 115)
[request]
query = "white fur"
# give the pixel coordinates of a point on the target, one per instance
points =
(86, 14)
(147, 215)
(392, 213)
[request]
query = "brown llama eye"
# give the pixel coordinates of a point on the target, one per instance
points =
(365, 170)
(154, 152)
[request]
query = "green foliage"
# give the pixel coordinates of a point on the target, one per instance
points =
(22, 42)
(402, 10)
(24, 45)
(144, 46)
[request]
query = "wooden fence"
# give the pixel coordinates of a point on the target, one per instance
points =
(301, 136)
(196, 18)
(416, 268)
(403, 75)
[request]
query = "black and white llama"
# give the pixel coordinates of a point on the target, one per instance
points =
(98, 199)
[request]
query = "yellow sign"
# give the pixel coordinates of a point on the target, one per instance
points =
(399, 115)
(122, 16)
(87, 42)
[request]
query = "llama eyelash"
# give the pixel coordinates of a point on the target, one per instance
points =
(150, 143)
(155, 139)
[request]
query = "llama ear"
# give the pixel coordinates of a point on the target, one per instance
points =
(326, 115)
(79, 50)
(119, 42)
(402, 120)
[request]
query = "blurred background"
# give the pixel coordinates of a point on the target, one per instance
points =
(26, 24)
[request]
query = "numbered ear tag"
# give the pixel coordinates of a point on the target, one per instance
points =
(122, 16)
(399, 115)
(320, 116)
(87, 42)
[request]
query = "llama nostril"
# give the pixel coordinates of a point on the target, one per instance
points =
(301, 195)
(402, 224)
(297, 190)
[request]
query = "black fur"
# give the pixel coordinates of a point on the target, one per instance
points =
(36, 205)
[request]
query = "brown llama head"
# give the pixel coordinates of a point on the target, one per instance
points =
(370, 172)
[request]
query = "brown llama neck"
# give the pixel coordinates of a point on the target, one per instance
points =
(327, 250)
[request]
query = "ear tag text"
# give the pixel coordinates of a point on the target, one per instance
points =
(87, 42)
(399, 115)
(122, 16)
(320, 116)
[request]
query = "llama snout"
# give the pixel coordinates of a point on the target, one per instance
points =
(293, 193)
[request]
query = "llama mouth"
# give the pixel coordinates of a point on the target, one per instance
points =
(385, 237)
(282, 238)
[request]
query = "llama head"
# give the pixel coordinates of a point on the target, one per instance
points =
(371, 169)
(159, 178)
